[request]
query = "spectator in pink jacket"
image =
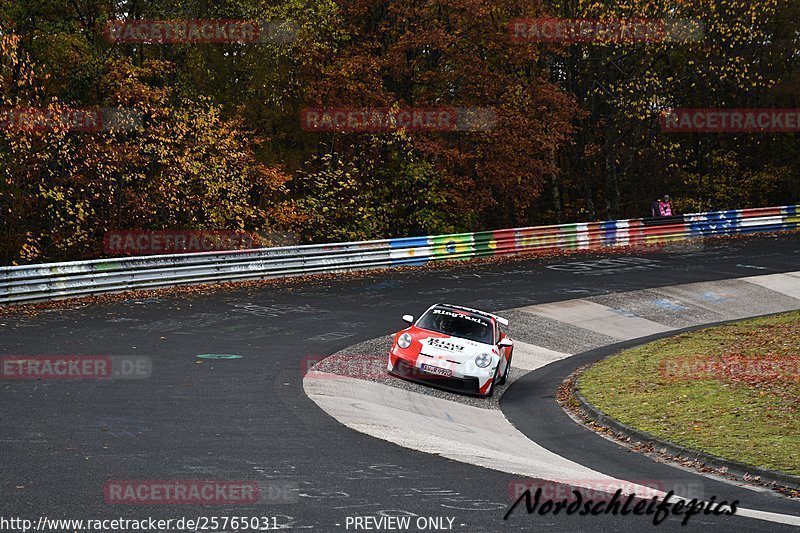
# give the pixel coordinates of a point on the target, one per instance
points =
(665, 206)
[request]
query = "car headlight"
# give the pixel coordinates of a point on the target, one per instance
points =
(404, 341)
(483, 360)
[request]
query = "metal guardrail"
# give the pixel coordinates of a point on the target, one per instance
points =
(32, 283)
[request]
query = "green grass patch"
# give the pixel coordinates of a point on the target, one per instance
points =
(732, 391)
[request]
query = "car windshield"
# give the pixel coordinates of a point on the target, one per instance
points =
(457, 324)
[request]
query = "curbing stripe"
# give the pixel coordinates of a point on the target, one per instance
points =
(530, 357)
(782, 283)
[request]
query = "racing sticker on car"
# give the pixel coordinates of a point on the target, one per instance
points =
(458, 315)
(443, 344)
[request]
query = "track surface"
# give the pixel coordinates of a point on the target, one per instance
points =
(249, 419)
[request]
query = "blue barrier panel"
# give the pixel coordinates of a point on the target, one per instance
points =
(716, 223)
(609, 230)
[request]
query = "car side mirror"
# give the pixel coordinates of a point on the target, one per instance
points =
(505, 342)
(408, 318)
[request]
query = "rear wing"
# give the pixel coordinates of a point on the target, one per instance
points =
(478, 312)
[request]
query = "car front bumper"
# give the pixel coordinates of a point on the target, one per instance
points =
(465, 384)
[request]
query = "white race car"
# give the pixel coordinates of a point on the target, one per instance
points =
(454, 348)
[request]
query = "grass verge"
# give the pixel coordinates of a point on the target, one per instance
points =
(732, 391)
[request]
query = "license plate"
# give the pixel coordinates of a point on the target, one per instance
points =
(446, 372)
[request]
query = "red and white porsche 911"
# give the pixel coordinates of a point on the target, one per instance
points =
(454, 348)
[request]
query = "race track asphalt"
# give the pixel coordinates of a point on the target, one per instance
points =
(249, 419)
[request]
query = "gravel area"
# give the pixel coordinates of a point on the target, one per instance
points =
(552, 334)
(367, 360)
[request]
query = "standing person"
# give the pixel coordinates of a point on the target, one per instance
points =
(666, 206)
(655, 207)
